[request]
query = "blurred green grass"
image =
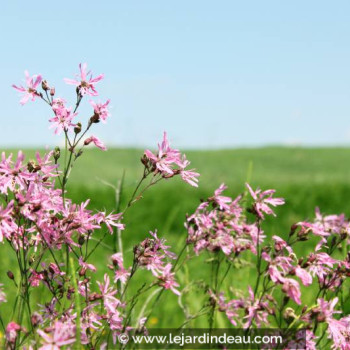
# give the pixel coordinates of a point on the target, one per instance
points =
(306, 178)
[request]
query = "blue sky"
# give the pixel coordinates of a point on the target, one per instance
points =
(212, 73)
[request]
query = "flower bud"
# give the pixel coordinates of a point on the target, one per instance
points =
(94, 296)
(57, 153)
(36, 319)
(45, 86)
(289, 315)
(343, 235)
(81, 240)
(52, 91)
(293, 229)
(31, 166)
(87, 141)
(144, 160)
(95, 118)
(10, 275)
(82, 271)
(77, 128)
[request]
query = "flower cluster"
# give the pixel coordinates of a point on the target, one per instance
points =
(151, 254)
(168, 162)
(254, 309)
(34, 201)
(64, 117)
(220, 224)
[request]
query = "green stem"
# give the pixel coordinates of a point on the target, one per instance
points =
(77, 302)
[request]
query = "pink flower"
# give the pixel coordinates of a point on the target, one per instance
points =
(45, 164)
(35, 278)
(263, 200)
(169, 162)
(7, 224)
(304, 276)
(324, 226)
(12, 330)
(165, 158)
(292, 289)
(222, 201)
(86, 266)
(279, 267)
(320, 264)
(167, 279)
(29, 92)
(280, 244)
(97, 142)
(13, 175)
(151, 254)
(189, 176)
(310, 340)
(62, 121)
(327, 307)
(304, 339)
(110, 302)
(218, 224)
(85, 83)
(62, 334)
(338, 330)
(256, 310)
(111, 220)
(230, 308)
(121, 274)
(101, 110)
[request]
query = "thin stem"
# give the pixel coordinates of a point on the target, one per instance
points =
(258, 263)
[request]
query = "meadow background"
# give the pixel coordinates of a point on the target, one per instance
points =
(305, 177)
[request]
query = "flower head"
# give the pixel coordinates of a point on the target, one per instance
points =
(29, 92)
(121, 274)
(263, 201)
(85, 83)
(101, 110)
(168, 162)
(96, 141)
(62, 121)
(12, 330)
(62, 333)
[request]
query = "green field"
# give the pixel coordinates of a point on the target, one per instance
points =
(306, 178)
